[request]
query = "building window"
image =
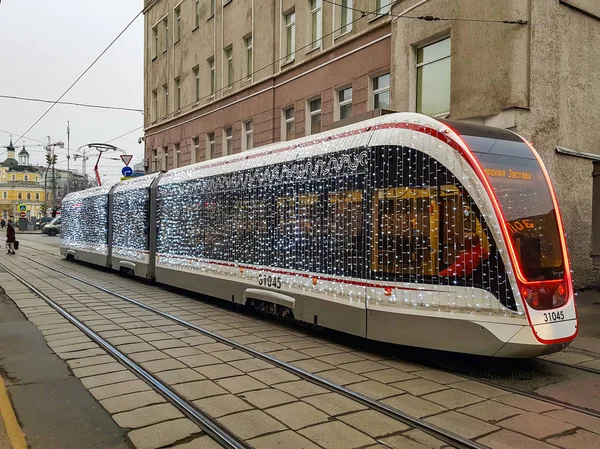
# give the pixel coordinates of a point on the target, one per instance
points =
(228, 148)
(344, 97)
(4, 195)
(314, 107)
(20, 196)
(177, 94)
(14, 178)
(290, 35)
(381, 91)
(229, 69)
(210, 147)
(155, 42)
(345, 16)
(37, 196)
(249, 57)
(382, 7)
(155, 159)
(26, 178)
(197, 22)
(197, 80)
(166, 25)
(316, 12)
(177, 155)
(248, 142)
(196, 144)
(155, 104)
(211, 66)
(166, 95)
(289, 130)
(165, 158)
(29, 196)
(433, 79)
(177, 25)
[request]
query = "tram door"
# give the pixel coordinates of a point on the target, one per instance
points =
(405, 224)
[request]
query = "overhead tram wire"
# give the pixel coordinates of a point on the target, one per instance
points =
(68, 103)
(428, 18)
(88, 68)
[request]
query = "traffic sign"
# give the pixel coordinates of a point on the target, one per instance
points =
(23, 215)
(126, 158)
(22, 208)
(127, 171)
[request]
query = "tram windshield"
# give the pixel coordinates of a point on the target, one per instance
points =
(526, 201)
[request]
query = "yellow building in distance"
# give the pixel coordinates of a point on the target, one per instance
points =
(20, 184)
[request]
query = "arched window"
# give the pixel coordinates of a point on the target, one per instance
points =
(37, 196)
(20, 196)
(26, 177)
(29, 196)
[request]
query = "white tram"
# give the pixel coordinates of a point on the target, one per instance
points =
(403, 229)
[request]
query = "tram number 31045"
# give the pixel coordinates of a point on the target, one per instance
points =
(269, 281)
(554, 316)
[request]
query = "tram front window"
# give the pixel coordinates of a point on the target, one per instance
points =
(526, 201)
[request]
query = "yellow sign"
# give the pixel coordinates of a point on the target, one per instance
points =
(126, 178)
(510, 174)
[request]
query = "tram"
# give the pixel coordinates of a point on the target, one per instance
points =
(402, 229)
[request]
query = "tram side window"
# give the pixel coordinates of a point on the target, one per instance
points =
(345, 224)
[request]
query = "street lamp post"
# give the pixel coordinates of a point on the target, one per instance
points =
(50, 158)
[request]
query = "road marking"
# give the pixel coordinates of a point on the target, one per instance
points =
(15, 434)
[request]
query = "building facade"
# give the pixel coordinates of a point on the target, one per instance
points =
(225, 76)
(20, 185)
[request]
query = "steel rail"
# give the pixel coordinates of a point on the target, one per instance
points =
(589, 369)
(437, 432)
(212, 428)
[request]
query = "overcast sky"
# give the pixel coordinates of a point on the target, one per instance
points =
(44, 46)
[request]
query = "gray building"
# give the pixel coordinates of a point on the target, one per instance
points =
(226, 76)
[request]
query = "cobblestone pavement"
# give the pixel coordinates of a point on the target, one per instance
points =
(266, 406)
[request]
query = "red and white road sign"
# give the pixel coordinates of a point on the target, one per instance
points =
(126, 158)
(23, 215)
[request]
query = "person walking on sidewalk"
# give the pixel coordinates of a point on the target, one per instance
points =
(10, 237)
(2, 223)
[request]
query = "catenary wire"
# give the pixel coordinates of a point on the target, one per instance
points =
(85, 105)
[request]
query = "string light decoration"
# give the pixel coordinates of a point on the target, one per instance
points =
(84, 220)
(130, 220)
(384, 215)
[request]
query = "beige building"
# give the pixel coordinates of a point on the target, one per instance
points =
(224, 76)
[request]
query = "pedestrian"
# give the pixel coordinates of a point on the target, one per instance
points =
(10, 237)
(2, 223)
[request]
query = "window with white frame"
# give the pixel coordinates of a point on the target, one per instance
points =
(210, 147)
(176, 25)
(14, 178)
(166, 97)
(211, 68)
(177, 161)
(345, 16)
(382, 7)
(155, 41)
(177, 105)
(289, 124)
(26, 178)
(316, 12)
(165, 158)
(197, 11)
(196, 71)
(155, 104)
(155, 159)
(20, 196)
(249, 57)
(381, 91)
(228, 138)
(314, 116)
(4, 195)
(344, 100)
(290, 35)
(248, 142)
(433, 79)
(166, 27)
(229, 67)
(37, 196)
(28, 196)
(196, 144)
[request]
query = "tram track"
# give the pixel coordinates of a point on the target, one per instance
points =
(209, 425)
(433, 430)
